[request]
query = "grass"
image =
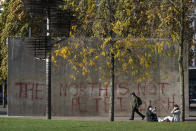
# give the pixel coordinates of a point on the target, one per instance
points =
(14, 124)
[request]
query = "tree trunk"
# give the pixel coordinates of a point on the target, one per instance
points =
(181, 62)
(4, 95)
(112, 63)
(113, 77)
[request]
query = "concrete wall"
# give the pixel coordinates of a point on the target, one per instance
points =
(26, 88)
(26, 81)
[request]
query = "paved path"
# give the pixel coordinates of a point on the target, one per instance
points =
(85, 118)
(3, 113)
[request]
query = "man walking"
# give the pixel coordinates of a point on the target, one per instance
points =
(136, 103)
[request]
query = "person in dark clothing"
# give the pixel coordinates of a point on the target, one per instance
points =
(151, 114)
(135, 107)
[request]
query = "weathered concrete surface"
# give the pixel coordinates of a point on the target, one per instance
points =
(26, 84)
(26, 88)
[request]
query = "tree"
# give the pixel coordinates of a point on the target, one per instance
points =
(132, 23)
(177, 20)
(181, 60)
(128, 26)
(14, 21)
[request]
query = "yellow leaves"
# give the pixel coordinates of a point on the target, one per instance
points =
(170, 8)
(106, 41)
(74, 67)
(91, 50)
(83, 73)
(73, 77)
(83, 52)
(70, 61)
(176, 53)
(103, 53)
(64, 50)
(90, 12)
(166, 75)
(128, 12)
(85, 61)
(160, 47)
(141, 3)
(140, 79)
(116, 46)
(130, 61)
(147, 65)
(93, 6)
(77, 9)
(146, 74)
(57, 52)
(57, 45)
(124, 66)
(103, 31)
(108, 64)
(74, 27)
(117, 27)
(96, 57)
(142, 60)
(149, 16)
(53, 59)
(133, 73)
(75, 56)
(80, 58)
(84, 68)
(159, 14)
(65, 56)
(175, 37)
(106, 83)
(80, 65)
(98, 29)
(120, 26)
(21, 16)
(129, 44)
(168, 43)
(71, 35)
(118, 54)
(86, 51)
(145, 54)
(76, 45)
(72, 3)
(91, 63)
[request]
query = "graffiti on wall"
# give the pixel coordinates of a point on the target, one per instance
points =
(98, 94)
(29, 90)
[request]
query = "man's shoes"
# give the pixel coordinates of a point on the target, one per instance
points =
(131, 119)
(143, 117)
